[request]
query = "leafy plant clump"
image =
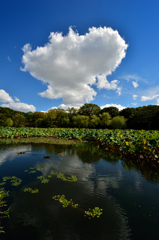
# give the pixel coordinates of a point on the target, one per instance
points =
(43, 179)
(64, 201)
(14, 181)
(35, 190)
(67, 179)
(3, 213)
(95, 212)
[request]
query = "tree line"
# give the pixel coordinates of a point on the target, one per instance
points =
(88, 116)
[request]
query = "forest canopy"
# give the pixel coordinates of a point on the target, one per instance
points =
(87, 116)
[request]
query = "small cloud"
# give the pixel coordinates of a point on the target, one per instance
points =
(134, 104)
(120, 107)
(16, 99)
(4, 96)
(135, 84)
(134, 97)
(131, 77)
(146, 98)
(9, 59)
(119, 90)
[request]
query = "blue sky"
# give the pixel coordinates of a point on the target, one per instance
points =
(65, 53)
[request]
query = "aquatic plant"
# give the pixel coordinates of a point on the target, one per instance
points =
(5, 213)
(35, 190)
(14, 180)
(66, 179)
(43, 179)
(33, 171)
(39, 169)
(95, 212)
(64, 201)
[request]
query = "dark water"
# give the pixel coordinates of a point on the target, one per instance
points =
(129, 197)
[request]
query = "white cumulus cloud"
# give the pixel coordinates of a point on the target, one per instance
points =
(23, 107)
(4, 96)
(10, 103)
(146, 98)
(72, 64)
(120, 107)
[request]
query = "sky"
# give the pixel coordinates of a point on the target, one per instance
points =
(65, 53)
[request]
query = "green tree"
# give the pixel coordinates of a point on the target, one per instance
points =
(9, 122)
(145, 117)
(118, 122)
(105, 119)
(2, 119)
(62, 119)
(37, 119)
(51, 118)
(81, 121)
(19, 120)
(89, 109)
(113, 111)
(94, 121)
(127, 112)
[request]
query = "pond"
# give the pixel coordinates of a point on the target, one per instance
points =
(86, 176)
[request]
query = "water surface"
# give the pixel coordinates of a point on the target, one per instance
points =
(128, 198)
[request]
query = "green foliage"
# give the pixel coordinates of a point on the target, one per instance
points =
(35, 190)
(66, 179)
(64, 201)
(19, 120)
(94, 121)
(96, 212)
(113, 111)
(9, 122)
(14, 181)
(118, 122)
(89, 109)
(146, 117)
(43, 179)
(3, 213)
(127, 112)
(105, 119)
(81, 121)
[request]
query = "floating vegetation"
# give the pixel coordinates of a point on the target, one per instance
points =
(35, 190)
(3, 214)
(2, 183)
(34, 170)
(67, 179)
(95, 212)
(39, 169)
(52, 172)
(43, 179)
(64, 201)
(60, 175)
(14, 180)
